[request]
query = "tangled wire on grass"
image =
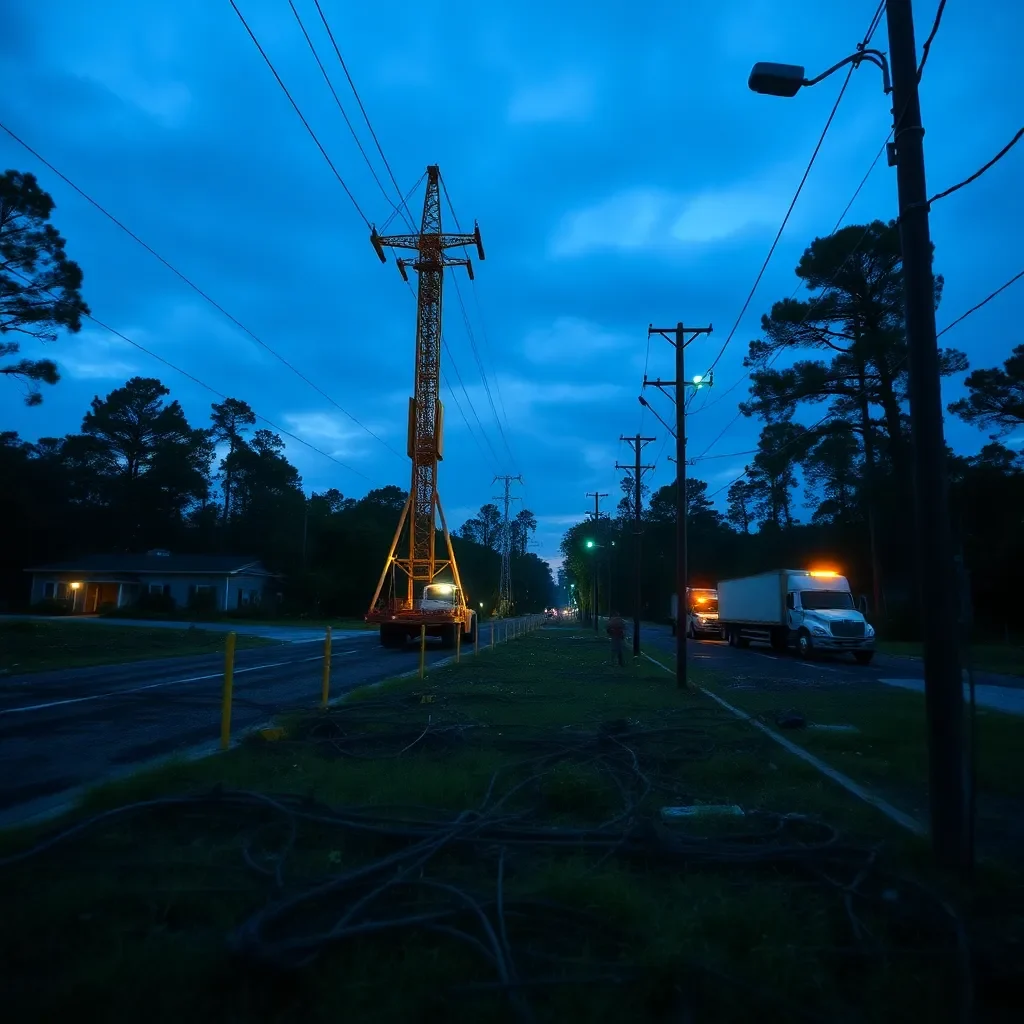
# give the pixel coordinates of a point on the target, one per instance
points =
(402, 889)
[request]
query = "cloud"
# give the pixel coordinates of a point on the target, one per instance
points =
(336, 434)
(570, 339)
(645, 219)
(97, 355)
(568, 519)
(624, 221)
(568, 97)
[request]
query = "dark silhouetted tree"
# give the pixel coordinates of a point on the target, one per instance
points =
(996, 399)
(39, 285)
(231, 418)
(740, 510)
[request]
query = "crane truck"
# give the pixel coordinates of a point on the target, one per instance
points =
(419, 597)
(810, 610)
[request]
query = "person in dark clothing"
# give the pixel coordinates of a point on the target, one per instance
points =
(616, 629)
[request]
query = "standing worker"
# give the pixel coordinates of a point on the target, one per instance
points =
(616, 629)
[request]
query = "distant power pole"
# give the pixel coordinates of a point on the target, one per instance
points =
(943, 686)
(593, 544)
(505, 580)
(638, 471)
(680, 337)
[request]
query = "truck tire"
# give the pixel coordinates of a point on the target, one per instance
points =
(448, 635)
(863, 657)
(732, 635)
(804, 645)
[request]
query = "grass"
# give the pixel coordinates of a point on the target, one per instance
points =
(890, 744)
(132, 915)
(34, 646)
(1000, 659)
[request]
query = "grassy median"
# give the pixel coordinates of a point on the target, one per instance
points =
(28, 645)
(487, 843)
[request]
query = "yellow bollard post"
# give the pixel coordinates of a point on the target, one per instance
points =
(423, 651)
(458, 642)
(325, 688)
(225, 706)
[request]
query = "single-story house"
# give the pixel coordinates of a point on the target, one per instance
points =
(223, 582)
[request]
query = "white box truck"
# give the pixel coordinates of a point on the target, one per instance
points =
(811, 610)
(701, 613)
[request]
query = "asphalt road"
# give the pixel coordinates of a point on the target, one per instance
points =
(64, 730)
(760, 665)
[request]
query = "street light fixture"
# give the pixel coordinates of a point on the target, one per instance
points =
(786, 80)
(951, 831)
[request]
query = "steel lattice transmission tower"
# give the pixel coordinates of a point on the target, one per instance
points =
(426, 421)
(505, 582)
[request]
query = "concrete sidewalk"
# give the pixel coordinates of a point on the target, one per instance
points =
(1007, 699)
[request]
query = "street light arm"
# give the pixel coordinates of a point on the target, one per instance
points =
(875, 57)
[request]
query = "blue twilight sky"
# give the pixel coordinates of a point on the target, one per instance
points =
(620, 170)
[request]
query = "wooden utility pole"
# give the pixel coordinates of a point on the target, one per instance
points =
(943, 686)
(593, 545)
(680, 337)
(638, 471)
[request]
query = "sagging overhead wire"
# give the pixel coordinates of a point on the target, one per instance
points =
(875, 20)
(196, 380)
(898, 366)
(199, 291)
(980, 171)
(341, 108)
(473, 344)
(362, 110)
(302, 117)
(867, 38)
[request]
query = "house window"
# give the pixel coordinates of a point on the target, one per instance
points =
(160, 588)
(49, 591)
(247, 598)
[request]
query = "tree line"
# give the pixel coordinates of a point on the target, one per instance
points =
(845, 372)
(138, 475)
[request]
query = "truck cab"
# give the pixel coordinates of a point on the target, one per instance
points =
(823, 616)
(702, 613)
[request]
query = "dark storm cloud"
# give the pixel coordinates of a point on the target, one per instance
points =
(619, 168)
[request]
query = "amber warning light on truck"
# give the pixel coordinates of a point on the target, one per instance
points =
(825, 573)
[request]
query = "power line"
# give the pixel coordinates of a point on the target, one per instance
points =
(785, 220)
(984, 302)
(193, 378)
(473, 344)
(927, 48)
(341, 108)
(186, 280)
(941, 195)
(302, 117)
(775, 451)
(362, 109)
(963, 316)
(980, 171)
